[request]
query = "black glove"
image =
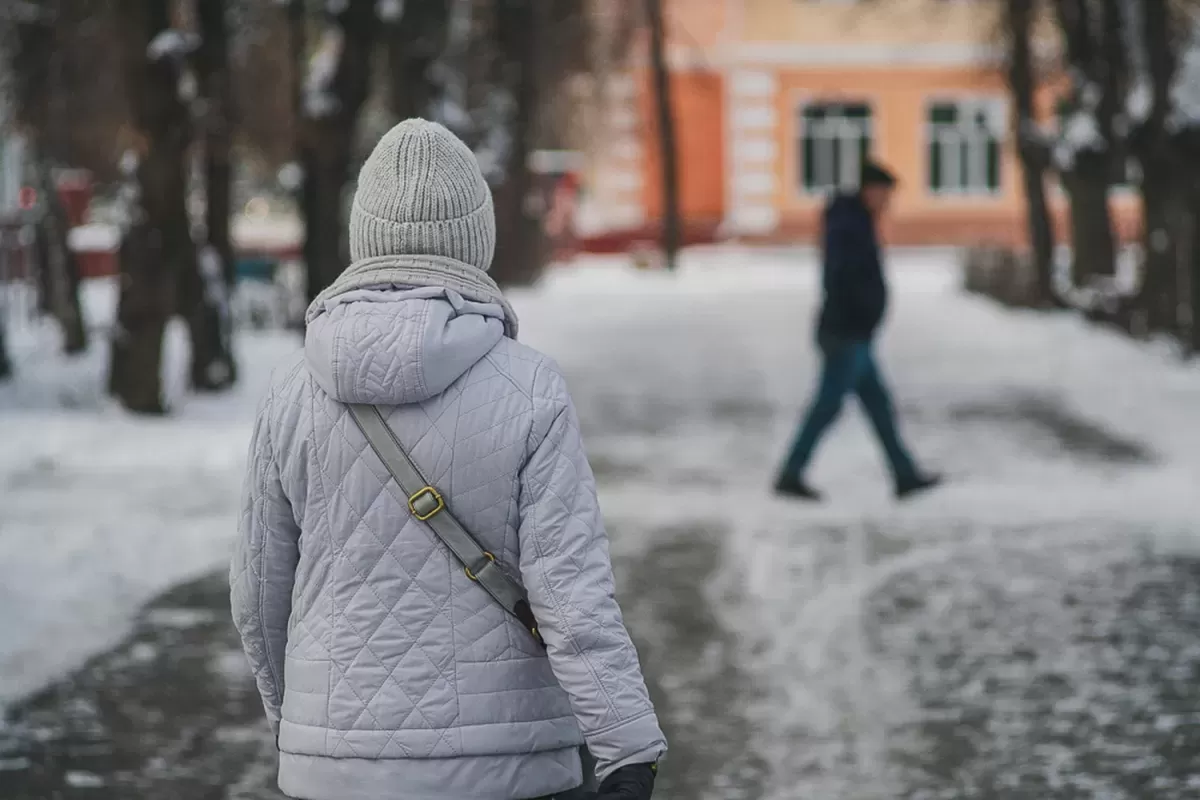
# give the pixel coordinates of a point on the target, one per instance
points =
(630, 782)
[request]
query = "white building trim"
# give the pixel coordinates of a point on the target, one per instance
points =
(752, 116)
(751, 153)
(750, 219)
(859, 55)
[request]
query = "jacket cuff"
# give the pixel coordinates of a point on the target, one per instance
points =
(636, 741)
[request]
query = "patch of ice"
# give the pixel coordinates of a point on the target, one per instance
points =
(79, 779)
(231, 666)
(179, 617)
(143, 652)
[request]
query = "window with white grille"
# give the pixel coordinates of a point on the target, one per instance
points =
(834, 141)
(964, 146)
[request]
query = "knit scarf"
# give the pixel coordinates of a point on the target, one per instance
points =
(413, 272)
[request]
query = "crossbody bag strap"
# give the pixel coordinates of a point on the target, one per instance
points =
(428, 505)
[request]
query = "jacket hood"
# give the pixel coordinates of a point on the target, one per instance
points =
(392, 347)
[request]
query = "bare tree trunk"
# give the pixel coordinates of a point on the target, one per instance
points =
(1095, 66)
(1193, 317)
(518, 260)
(38, 62)
(6, 370)
(666, 133)
(151, 252)
(1157, 152)
(1093, 243)
(1187, 241)
(329, 119)
(207, 276)
(415, 40)
(297, 26)
(1033, 154)
(63, 265)
(212, 62)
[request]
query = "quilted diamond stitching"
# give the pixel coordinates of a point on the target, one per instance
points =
(480, 456)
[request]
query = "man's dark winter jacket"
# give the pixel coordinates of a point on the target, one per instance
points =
(855, 291)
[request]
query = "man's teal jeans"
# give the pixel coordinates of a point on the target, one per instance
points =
(849, 367)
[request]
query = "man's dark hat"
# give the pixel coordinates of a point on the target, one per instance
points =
(875, 174)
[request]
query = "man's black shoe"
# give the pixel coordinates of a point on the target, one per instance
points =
(915, 486)
(795, 488)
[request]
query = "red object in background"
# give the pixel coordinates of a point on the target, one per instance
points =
(27, 198)
(75, 191)
(97, 263)
(647, 236)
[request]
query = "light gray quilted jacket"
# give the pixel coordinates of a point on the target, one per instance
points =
(385, 672)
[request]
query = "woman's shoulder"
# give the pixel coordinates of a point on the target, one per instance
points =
(537, 374)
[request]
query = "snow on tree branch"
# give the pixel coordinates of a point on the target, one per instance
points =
(129, 194)
(1080, 133)
(319, 97)
(172, 43)
(1030, 131)
(1102, 293)
(1139, 101)
(389, 11)
(21, 11)
(1185, 92)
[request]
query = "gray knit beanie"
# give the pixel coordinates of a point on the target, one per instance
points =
(421, 193)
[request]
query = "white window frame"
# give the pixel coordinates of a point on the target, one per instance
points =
(849, 131)
(974, 183)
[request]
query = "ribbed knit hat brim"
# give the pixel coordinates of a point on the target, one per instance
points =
(421, 192)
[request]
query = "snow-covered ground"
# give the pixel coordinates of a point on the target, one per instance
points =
(1069, 450)
(814, 631)
(99, 510)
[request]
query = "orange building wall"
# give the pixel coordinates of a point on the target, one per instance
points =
(897, 56)
(898, 98)
(916, 23)
(698, 103)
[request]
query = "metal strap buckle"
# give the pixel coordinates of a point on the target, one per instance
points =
(470, 574)
(426, 503)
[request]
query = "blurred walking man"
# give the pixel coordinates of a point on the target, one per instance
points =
(855, 301)
(422, 581)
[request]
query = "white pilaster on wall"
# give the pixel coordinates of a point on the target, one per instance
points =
(751, 157)
(618, 188)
